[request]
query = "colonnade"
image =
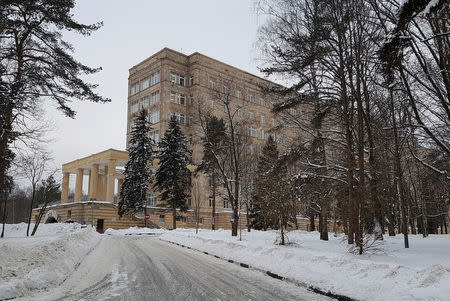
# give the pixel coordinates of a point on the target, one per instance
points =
(101, 170)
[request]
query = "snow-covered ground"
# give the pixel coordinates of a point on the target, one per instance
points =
(44, 260)
(135, 231)
(421, 272)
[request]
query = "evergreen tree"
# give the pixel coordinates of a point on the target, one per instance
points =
(261, 215)
(48, 191)
(36, 63)
(273, 204)
(173, 178)
(133, 194)
(215, 129)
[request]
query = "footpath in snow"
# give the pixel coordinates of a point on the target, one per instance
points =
(394, 273)
(43, 260)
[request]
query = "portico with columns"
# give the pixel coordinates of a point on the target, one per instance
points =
(102, 171)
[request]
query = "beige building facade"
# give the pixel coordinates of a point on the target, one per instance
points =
(168, 84)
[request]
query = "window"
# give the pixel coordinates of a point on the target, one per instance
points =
(177, 79)
(293, 111)
(251, 114)
(262, 119)
(134, 107)
(184, 219)
(226, 90)
(154, 98)
(191, 120)
(144, 102)
(261, 101)
(212, 84)
(252, 149)
(134, 88)
(262, 134)
(69, 214)
(191, 81)
(155, 78)
(180, 118)
(238, 94)
(239, 111)
(226, 204)
(250, 97)
(154, 136)
(145, 83)
(211, 104)
(252, 131)
(161, 218)
(152, 199)
(178, 98)
(200, 220)
(154, 117)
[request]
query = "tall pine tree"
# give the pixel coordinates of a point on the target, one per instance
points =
(133, 194)
(173, 178)
(216, 131)
(261, 214)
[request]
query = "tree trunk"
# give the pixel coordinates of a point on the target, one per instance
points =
(323, 227)
(213, 221)
(3, 195)
(145, 216)
(235, 223)
(312, 225)
(398, 176)
(33, 193)
(174, 214)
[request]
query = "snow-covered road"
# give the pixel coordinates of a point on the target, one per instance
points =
(145, 268)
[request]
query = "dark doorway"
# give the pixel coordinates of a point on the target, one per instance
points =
(100, 225)
(51, 220)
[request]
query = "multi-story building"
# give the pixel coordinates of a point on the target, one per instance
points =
(170, 83)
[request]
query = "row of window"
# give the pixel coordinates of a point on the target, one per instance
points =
(226, 204)
(178, 98)
(238, 94)
(145, 83)
(179, 79)
(253, 132)
(145, 102)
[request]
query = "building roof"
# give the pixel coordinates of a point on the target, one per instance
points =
(200, 54)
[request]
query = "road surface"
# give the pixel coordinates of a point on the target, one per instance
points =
(146, 268)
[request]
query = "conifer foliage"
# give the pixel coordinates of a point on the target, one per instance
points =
(273, 203)
(173, 178)
(133, 195)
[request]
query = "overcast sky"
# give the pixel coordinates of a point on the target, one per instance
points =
(133, 31)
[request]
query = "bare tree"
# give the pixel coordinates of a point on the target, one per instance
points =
(229, 160)
(32, 166)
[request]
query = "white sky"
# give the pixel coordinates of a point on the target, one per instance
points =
(133, 31)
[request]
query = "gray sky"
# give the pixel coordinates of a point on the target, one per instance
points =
(133, 31)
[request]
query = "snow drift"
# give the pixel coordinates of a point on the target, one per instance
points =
(44, 260)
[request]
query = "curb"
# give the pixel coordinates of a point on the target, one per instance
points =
(273, 275)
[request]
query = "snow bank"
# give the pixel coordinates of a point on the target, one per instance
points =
(20, 230)
(30, 263)
(419, 273)
(135, 231)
